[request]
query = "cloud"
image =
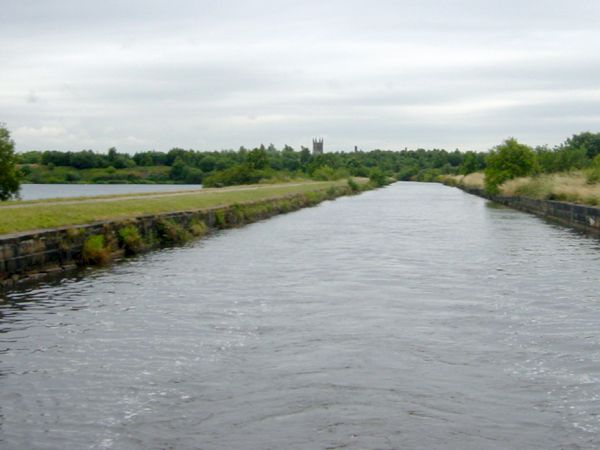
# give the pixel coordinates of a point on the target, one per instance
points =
(210, 75)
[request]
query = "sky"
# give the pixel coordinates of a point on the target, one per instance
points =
(208, 75)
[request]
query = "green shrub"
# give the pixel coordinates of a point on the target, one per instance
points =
(220, 221)
(508, 160)
(171, 232)
(408, 172)
(429, 175)
(377, 178)
(72, 177)
(238, 174)
(237, 211)
(593, 173)
(94, 250)
(331, 192)
(326, 173)
(130, 239)
(198, 228)
(353, 185)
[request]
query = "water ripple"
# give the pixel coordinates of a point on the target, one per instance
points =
(414, 316)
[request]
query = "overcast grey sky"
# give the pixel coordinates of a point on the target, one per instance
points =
(207, 75)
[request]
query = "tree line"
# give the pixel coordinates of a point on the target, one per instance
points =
(217, 168)
(244, 166)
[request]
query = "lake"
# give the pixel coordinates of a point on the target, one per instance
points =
(42, 191)
(413, 316)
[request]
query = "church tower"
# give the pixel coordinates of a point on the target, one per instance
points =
(318, 146)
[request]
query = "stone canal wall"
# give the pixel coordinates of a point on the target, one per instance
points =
(582, 217)
(34, 255)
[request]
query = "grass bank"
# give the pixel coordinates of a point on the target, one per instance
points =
(47, 238)
(574, 187)
(34, 215)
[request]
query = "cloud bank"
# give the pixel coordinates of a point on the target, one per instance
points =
(379, 74)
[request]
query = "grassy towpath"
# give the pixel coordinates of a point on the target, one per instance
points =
(40, 214)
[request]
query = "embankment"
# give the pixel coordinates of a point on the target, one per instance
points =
(581, 217)
(33, 255)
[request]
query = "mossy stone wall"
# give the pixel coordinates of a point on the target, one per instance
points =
(582, 217)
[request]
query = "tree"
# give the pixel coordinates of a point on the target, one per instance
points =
(9, 174)
(508, 160)
(177, 171)
(472, 162)
(258, 158)
(586, 140)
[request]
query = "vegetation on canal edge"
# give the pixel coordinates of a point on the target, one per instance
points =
(24, 216)
(568, 186)
(507, 161)
(569, 173)
(95, 251)
(130, 239)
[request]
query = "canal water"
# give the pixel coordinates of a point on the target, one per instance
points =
(414, 316)
(43, 191)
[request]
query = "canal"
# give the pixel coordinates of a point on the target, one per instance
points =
(414, 316)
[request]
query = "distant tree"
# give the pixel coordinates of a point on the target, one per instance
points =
(258, 158)
(377, 177)
(86, 159)
(177, 171)
(32, 157)
(472, 162)
(112, 155)
(506, 161)
(304, 155)
(586, 140)
(9, 174)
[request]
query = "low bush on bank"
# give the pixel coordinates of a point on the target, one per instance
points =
(572, 187)
(593, 173)
(353, 185)
(170, 232)
(198, 228)
(473, 180)
(238, 174)
(95, 252)
(507, 161)
(326, 173)
(130, 239)
(377, 178)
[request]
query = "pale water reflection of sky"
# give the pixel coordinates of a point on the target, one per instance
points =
(387, 74)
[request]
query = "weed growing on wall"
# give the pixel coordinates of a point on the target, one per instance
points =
(95, 251)
(130, 239)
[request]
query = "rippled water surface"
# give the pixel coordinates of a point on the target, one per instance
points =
(414, 316)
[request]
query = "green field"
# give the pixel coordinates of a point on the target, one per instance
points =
(34, 215)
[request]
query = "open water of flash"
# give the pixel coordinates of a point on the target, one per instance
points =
(412, 317)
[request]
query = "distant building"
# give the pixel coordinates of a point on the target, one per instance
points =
(318, 146)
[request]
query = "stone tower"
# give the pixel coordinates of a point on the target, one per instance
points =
(318, 146)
